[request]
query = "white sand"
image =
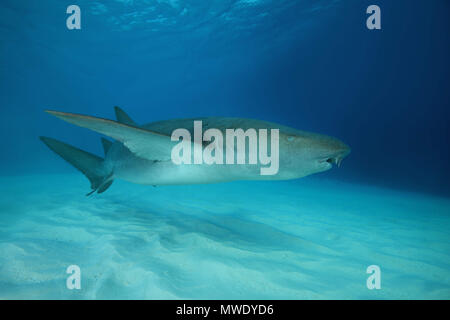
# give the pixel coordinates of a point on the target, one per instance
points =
(305, 239)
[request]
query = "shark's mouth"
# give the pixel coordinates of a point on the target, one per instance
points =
(337, 161)
(332, 160)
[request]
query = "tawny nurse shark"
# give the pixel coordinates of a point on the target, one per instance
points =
(142, 153)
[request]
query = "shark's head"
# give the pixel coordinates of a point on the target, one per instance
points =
(305, 153)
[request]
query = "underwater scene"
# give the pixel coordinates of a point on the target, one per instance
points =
(120, 177)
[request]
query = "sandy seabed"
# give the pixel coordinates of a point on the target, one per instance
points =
(305, 239)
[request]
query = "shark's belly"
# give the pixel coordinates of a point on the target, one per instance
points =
(168, 173)
(134, 169)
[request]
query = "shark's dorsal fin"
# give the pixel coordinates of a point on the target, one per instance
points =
(122, 117)
(106, 145)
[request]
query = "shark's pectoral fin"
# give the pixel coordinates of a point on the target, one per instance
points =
(144, 143)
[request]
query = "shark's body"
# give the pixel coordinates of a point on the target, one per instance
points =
(142, 154)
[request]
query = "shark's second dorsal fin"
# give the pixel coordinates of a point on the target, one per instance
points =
(122, 117)
(106, 145)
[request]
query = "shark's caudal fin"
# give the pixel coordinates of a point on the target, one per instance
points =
(90, 165)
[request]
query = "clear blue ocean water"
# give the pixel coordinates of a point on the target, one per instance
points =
(311, 65)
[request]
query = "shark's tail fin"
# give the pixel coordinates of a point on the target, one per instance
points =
(90, 165)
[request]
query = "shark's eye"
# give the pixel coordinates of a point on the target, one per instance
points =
(290, 138)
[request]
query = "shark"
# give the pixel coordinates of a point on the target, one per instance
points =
(142, 153)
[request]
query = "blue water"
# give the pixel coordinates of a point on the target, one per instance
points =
(312, 65)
